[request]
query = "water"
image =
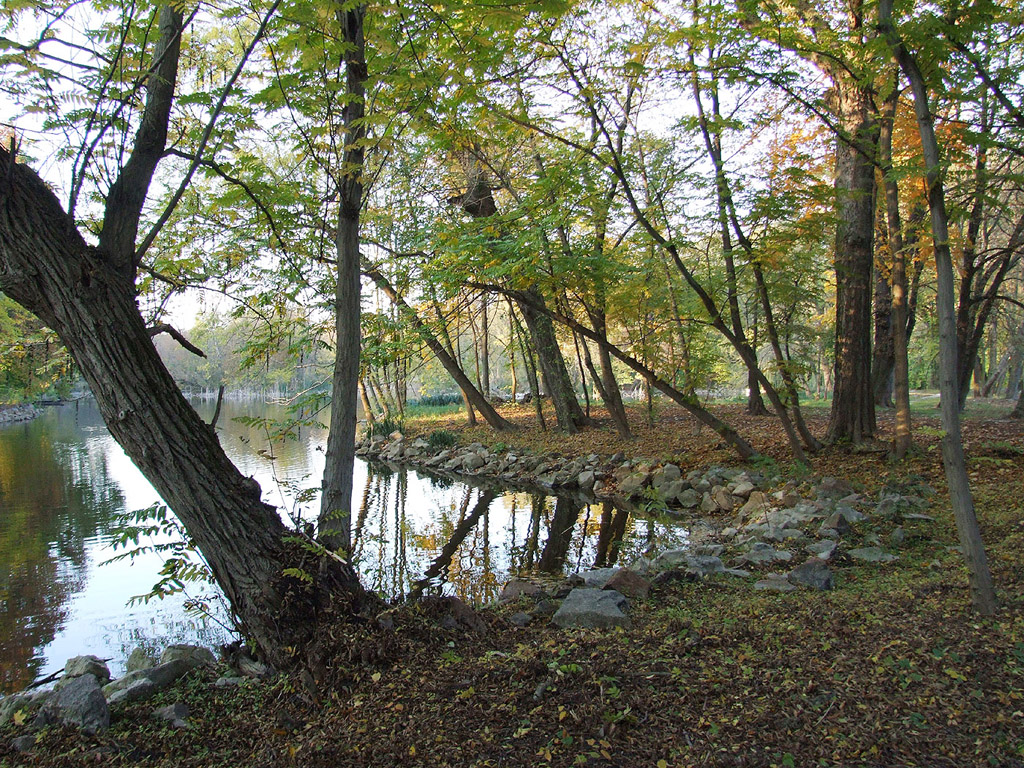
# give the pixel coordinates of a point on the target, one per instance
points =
(64, 483)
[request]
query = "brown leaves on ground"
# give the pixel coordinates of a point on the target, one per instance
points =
(890, 669)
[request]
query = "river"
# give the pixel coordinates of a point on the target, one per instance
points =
(65, 486)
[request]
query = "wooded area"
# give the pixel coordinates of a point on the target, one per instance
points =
(775, 198)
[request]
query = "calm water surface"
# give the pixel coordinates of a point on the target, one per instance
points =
(64, 483)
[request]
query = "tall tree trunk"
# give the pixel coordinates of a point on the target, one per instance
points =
(898, 320)
(853, 404)
(485, 352)
(88, 298)
(335, 520)
(365, 399)
(983, 595)
(883, 360)
(530, 366)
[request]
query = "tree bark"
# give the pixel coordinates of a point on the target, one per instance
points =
(983, 596)
(86, 297)
(853, 404)
(335, 520)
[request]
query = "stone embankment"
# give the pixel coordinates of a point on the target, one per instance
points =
(84, 694)
(775, 535)
(9, 414)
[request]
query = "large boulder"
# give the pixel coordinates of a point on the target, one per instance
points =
(144, 683)
(193, 655)
(629, 583)
(140, 658)
(79, 703)
(592, 609)
(814, 574)
(597, 578)
(87, 665)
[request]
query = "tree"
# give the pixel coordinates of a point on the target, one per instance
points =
(87, 295)
(982, 592)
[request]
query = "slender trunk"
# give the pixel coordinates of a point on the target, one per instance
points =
(983, 595)
(485, 353)
(335, 519)
(530, 366)
(471, 393)
(365, 399)
(899, 321)
(883, 360)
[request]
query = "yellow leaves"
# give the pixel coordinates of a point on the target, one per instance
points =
(20, 717)
(375, 677)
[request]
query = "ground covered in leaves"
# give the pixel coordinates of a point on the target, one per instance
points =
(889, 669)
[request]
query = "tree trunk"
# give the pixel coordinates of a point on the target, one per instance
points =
(470, 392)
(983, 595)
(569, 415)
(485, 352)
(335, 520)
(853, 404)
(884, 357)
(83, 294)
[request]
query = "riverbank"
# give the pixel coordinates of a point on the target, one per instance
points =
(10, 414)
(887, 668)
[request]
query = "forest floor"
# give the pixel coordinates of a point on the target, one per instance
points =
(891, 668)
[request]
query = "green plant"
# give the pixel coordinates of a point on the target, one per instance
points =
(441, 438)
(386, 426)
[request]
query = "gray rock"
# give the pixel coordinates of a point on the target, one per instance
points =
(743, 489)
(176, 714)
(833, 488)
(707, 504)
(814, 574)
(669, 559)
(665, 475)
(756, 506)
(23, 743)
(229, 682)
(597, 577)
(592, 609)
(518, 588)
(834, 525)
(704, 565)
(633, 483)
(688, 498)
(822, 549)
(79, 704)
(140, 658)
(723, 499)
(87, 665)
(145, 682)
(521, 619)
(871, 555)
(775, 582)
(193, 655)
(137, 690)
(586, 479)
(897, 537)
(851, 514)
(26, 703)
(472, 461)
(886, 507)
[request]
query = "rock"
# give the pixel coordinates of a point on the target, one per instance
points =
(396, 435)
(176, 714)
(897, 537)
(822, 549)
(629, 583)
(814, 574)
(521, 619)
(23, 743)
(455, 614)
(775, 582)
(80, 704)
(617, 458)
(544, 608)
(140, 658)
(761, 552)
(592, 609)
(518, 588)
(834, 525)
(26, 703)
(871, 555)
(145, 682)
(851, 514)
(669, 559)
(229, 682)
(707, 504)
(833, 488)
(789, 499)
(704, 565)
(597, 577)
(87, 665)
(756, 506)
(723, 499)
(250, 667)
(193, 655)
(664, 476)
(743, 489)
(472, 461)
(886, 507)
(688, 498)
(586, 479)
(633, 483)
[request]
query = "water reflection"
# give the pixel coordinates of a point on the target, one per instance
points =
(64, 482)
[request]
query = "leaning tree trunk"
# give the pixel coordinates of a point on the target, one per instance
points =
(983, 596)
(84, 295)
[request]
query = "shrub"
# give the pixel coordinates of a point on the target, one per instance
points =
(441, 438)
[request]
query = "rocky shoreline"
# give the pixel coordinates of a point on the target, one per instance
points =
(9, 414)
